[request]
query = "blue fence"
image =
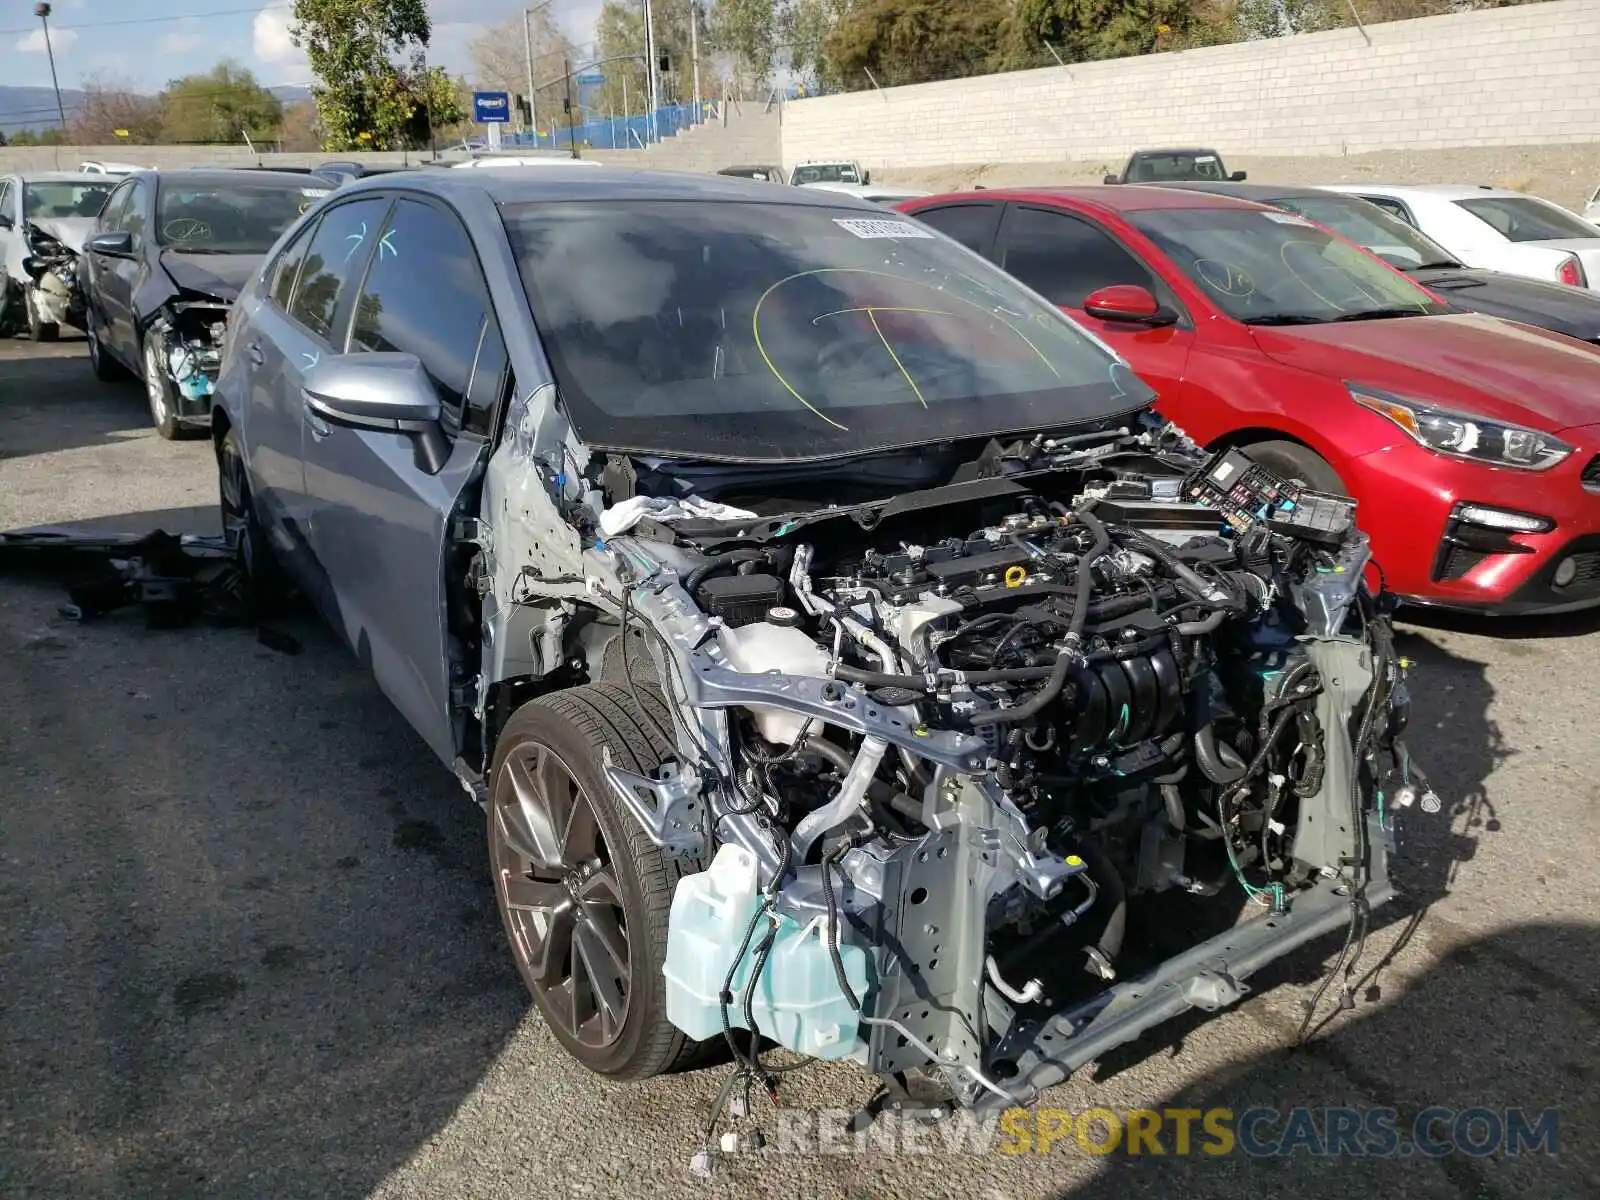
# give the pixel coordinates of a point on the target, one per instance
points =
(620, 133)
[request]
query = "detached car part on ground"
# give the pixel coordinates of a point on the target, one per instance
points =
(839, 646)
(164, 265)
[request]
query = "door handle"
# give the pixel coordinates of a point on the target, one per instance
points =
(254, 354)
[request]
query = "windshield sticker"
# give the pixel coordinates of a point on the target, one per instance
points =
(873, 227)
(1283, 218)
(1200, 158)
(315, 193)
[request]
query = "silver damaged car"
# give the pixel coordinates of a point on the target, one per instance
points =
(839, 646)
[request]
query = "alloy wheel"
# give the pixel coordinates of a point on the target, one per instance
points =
(154, 386)
(560, 896)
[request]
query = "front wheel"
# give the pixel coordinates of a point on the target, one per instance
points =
(583, 894)
(106, 369)
(268, 587)
(39, 330)
(1298, 464)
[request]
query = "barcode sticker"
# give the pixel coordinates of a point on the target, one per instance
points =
(872, 227)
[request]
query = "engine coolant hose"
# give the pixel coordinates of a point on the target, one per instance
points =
(721, 562)
(1219, 762)
(852, 794)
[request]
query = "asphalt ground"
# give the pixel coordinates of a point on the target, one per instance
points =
(248, 945)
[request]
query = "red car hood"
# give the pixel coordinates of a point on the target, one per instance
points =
(1470, 363)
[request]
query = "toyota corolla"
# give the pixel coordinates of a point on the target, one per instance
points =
(839, 647)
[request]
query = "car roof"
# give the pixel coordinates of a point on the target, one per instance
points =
(524, 187)
(1172, 150)
(61, 177)
(1443, 191)
(212, 175)
(1260, 193)
(1125, 197)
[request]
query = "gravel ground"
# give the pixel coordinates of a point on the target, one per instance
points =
(249, 946)
(1568, 175)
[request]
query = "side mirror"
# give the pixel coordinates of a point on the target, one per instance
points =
(866, 178)
(381, 393)
(1112, 179)
(34, 267)
(1129, 304)
(112, 245)
(1239, 176)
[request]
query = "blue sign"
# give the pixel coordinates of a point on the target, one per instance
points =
(491, 108)
(590, 77)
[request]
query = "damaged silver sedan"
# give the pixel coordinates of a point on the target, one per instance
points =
(840, 647)
(164, 262)
(44, 219)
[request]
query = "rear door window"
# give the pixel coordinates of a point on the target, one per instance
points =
(337, 252)
(973, 225)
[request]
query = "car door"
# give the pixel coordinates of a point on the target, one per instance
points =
(117, 278)
(285, 330)
(11, 230)
(95, 268)
(1065, 257)
(380, 520)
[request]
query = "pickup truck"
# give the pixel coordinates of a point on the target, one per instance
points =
(832, 171)
(1170, 166)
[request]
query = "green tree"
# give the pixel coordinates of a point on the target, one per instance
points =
(219, 106)
(747, 32)
(364, 99)
(805, 26)
(1081, 30)
(914, 41)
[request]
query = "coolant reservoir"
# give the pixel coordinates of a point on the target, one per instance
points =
(763, 646)
(797, 1001)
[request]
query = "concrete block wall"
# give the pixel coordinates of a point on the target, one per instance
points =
(1528, 75)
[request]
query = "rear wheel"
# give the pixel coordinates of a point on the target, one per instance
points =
(583, 894)
(106, 368)
(1298, 464)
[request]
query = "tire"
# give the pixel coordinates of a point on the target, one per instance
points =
(159, 393)
(267, 587)
(1298, 464)
(38, 331)
(106, 369)
(601, 878)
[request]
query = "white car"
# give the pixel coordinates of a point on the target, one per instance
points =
(1495, 228)
(515, 160)
(869, 191)
(109, 168)
(44, 218)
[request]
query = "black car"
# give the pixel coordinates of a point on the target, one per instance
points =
(766, 174)
(167, 258)
(1554, 306)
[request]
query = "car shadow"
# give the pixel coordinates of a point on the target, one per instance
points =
(51, 401)
(1459, 1034)
(250, 940)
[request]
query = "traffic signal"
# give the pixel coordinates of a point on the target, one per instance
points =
(566, 106)
(665, 64)
(526, 109)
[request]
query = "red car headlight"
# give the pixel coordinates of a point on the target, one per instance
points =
(1462, 435)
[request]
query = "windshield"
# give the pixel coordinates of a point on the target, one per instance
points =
(44, 201)
(1150, 168)
(229, 217)
(788, 331)
(826, 173)
(1277, 267)
(1525, 219)
(1368, 225)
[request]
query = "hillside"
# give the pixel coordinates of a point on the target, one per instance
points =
(33, 107)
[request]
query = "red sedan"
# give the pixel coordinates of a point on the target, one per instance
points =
(1472, 444)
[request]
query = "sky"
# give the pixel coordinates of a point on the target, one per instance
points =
(96, 38)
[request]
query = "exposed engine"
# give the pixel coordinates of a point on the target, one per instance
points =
(967, 734)
(191, 334)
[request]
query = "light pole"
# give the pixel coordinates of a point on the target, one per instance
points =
(527, 49)
(650, 67)
(42, 11)
(694, 52)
